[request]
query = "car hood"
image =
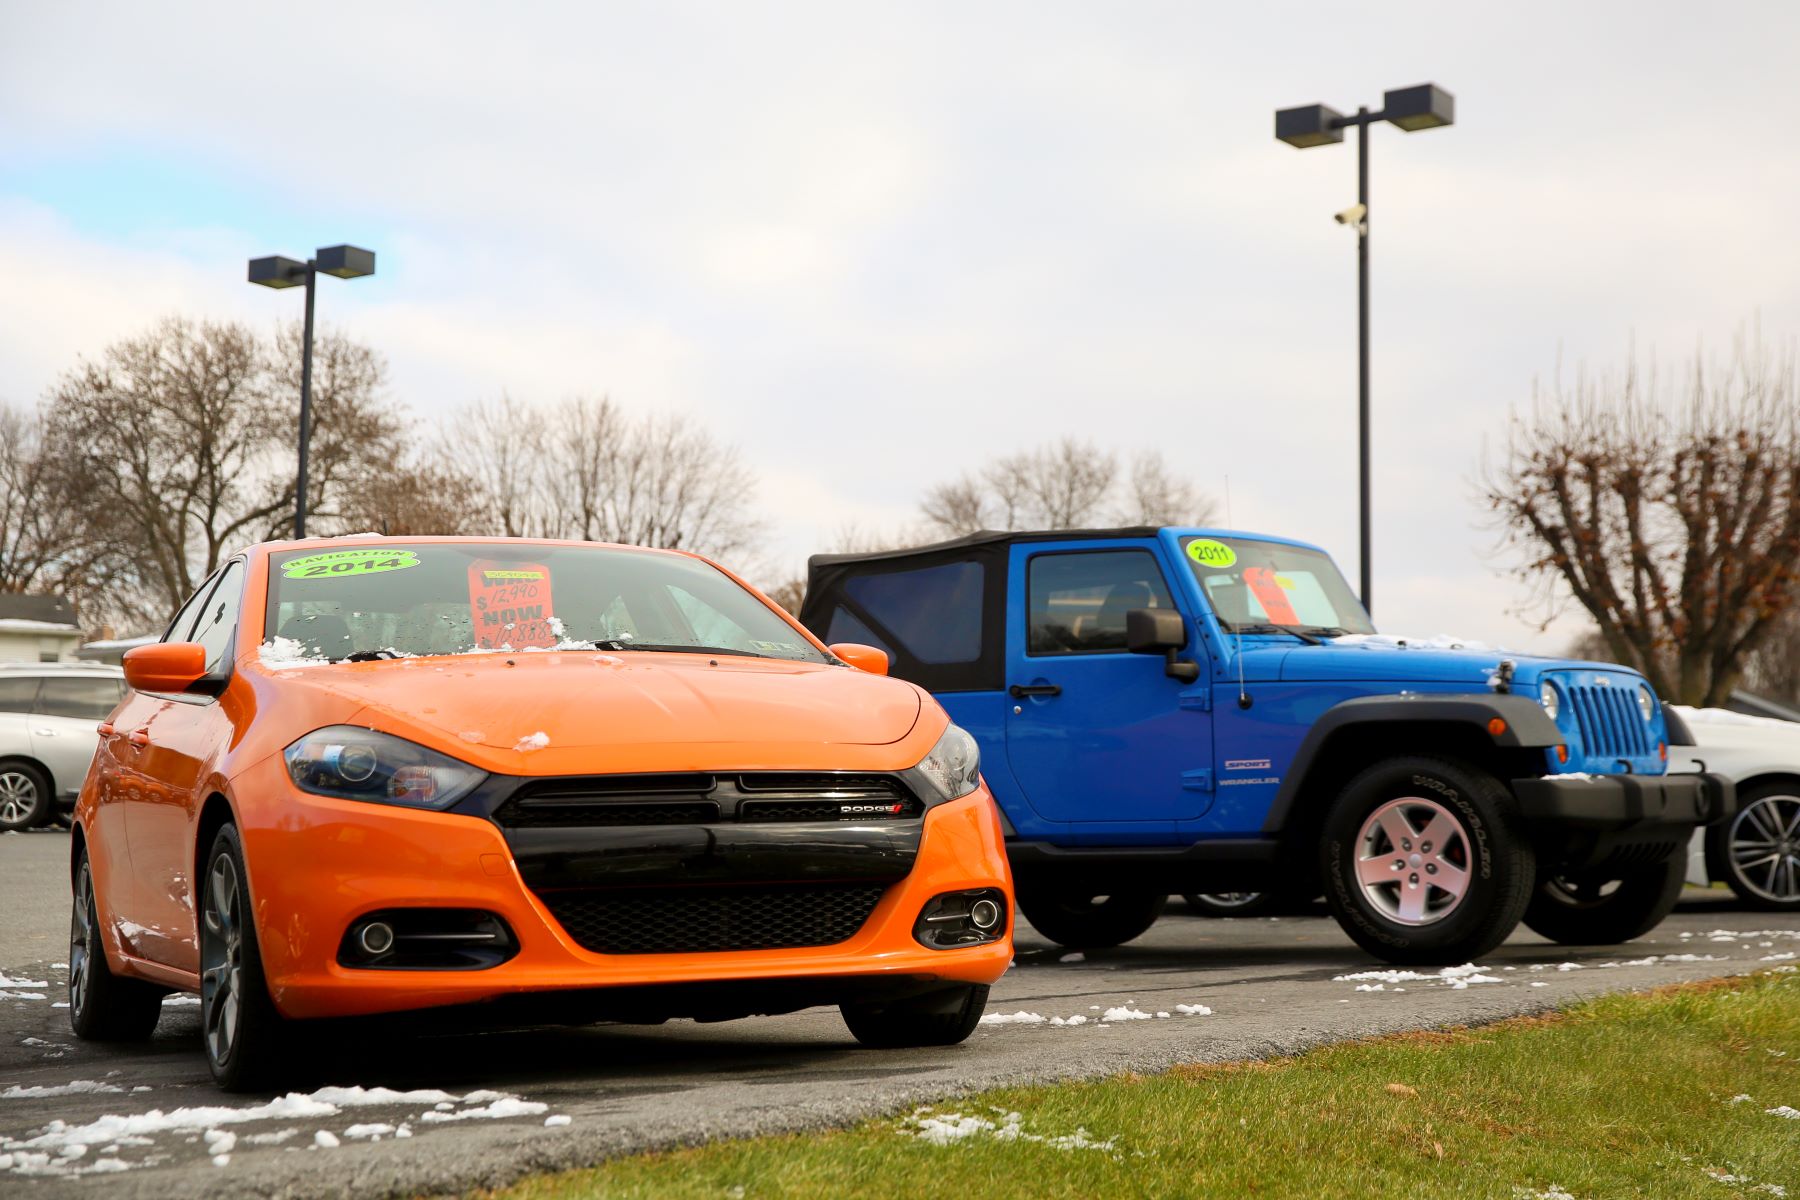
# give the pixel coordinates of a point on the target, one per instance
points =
(1382, 659)
(583, 711)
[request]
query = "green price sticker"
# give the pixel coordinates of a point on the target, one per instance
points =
(337, 564)
(1209, 553)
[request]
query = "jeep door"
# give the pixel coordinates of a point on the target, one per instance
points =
(1096, 735)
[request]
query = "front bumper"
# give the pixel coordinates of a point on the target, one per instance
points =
(1627, 803)
(316, 865)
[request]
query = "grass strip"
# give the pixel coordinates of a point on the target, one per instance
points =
(1622, 1096)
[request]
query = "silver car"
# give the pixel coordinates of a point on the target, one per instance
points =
(1757, 852)
(48, 714)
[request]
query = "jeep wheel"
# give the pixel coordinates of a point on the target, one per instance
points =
(1081, 918)
(1425, 861)
(1608, 908)
(1757, 852)
(937, 1019)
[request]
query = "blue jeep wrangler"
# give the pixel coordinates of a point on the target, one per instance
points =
(1203, 711)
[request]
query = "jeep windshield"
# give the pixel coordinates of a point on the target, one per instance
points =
(1270, 587)
(388, 600)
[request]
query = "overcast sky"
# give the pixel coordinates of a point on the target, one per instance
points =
(872, 245)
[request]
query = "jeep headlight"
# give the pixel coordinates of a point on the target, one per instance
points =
(351, 763)
(1646, 703)
(1549, 699)
(952, 769)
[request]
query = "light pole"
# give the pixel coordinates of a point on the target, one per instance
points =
(346, 262)
(1425, 106)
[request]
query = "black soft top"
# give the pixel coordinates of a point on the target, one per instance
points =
(938, 610)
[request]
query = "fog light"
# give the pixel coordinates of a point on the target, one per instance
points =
(376, 938)
(970, 918)
(984, 915)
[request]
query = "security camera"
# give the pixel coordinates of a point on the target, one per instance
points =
(1353, 216)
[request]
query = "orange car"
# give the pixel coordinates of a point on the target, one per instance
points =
(365, 775)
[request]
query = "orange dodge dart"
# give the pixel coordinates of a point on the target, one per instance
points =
(366, 775)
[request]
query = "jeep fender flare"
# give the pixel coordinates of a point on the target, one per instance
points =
(1525, 726)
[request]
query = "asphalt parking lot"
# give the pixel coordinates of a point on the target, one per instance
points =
(468, 1108)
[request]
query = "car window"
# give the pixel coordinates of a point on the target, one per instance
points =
(1253, 585)
(90, 699)
(218, 619)
(935, 611)
(18, 693)
(1078, 600)
(184, 619)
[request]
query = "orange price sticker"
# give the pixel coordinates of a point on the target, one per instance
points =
(1265, 585)
(511, 605)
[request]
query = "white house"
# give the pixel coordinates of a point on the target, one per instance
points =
(37, 629)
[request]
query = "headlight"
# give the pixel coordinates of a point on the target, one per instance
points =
(1646, 703)
(360, 764)
(952, 769)
(1549, 699)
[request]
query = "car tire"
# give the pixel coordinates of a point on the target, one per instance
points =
(1764, 810)
(245, 1038)
(1230, 904)
(25, 799)
(1609, 908)
(941, 1018)
(1088, 920)
(103, 1007)
(1425, 861)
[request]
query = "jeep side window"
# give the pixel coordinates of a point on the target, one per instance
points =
(935, 611)
(1078, 599)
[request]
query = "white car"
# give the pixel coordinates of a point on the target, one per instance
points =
(1757, 852)
(48, 718)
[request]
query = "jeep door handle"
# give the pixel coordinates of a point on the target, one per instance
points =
(1020, 691)
(138, 737)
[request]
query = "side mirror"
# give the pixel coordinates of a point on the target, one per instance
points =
(165, 666)
(1160, 631)
(863, 658)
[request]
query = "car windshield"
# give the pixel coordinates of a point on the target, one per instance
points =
(1266, 587)
(391, 600)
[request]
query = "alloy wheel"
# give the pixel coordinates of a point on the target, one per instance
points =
(84, 941)
(1764, 847)
(221, 959)
(1231, 899)
(1412, 860)
(18, 796)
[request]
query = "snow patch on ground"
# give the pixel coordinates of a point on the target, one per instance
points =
(78, 1087)
(951, 1128)
(8, 981)
(1457, 978)
(506, 1106)
(1014, 1018)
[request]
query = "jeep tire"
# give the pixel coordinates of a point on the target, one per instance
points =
(1071, 915)
(1609, 907)
(1425, 861)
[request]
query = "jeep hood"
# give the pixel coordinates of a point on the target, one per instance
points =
(1402, 661)
(638, 710)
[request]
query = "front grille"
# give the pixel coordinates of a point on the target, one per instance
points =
(692, 920)
(1611, 726)
(604, 800)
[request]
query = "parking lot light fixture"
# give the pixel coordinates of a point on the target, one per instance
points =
(1422, 106)
(345, 262)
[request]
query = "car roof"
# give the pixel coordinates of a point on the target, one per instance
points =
(997, 537)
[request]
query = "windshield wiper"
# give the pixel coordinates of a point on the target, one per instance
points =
(370, 656)
(671, 648)
(1290, 630)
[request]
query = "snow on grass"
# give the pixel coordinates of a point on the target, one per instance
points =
(951, 1128)
(1554, 1192)
(530, 742)
(1784, 1110)
(1785, 956)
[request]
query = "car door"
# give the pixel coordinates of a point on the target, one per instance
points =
(1098, 736)
(181, 739)
(65, 724)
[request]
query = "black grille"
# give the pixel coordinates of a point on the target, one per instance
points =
(607, 800)
(688, 920)
(1611, 725)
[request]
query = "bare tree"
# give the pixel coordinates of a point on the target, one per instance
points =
(414, 499)
(1064, 485)
(1668, 508)
(589, 469)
